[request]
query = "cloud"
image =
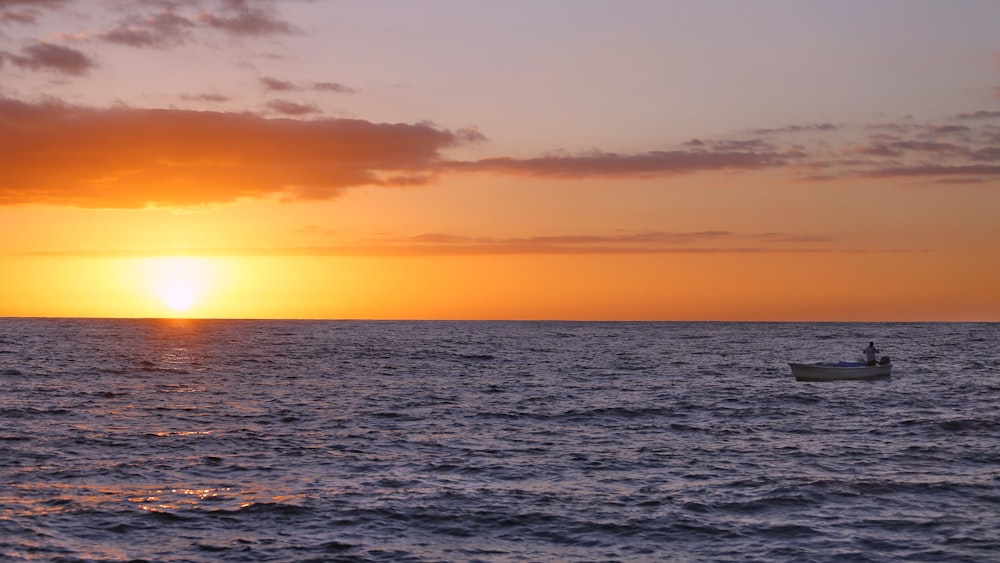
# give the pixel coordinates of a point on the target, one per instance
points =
(641, 242)
(286, 107)
(160, 30)
(332, 87)
(52, 152)
(215, 98)
(821, 127)
(446, 244)
(246, 18)
(981, 114)
(901, 147)
(159, 25)
(24, 11)
(32, 3)
(272, 84)
(50, 57)
(124, 157)
(935, 170)
(17, 17)
(934, 151)
(275, 85)
(653, 163)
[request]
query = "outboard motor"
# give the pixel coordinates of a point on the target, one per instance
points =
(883, 361)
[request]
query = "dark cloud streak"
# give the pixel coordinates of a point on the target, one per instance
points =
(25, 11)
(245, 18)
(51, 57)
(652, 163)
(446, 244)
(981, 114)
(271, 84)
(286, 107)
(17, 17)
(820, 127)
(275, 85)
(159, 31)
(214, 98)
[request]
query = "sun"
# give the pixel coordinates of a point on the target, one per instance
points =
(179, 296)
(178, 281)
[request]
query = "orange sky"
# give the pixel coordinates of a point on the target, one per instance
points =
(636, 160)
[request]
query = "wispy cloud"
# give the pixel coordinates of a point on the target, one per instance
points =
(936, 171)
(50, 57)
(17, 17)
(246, 18)
(215, 98)
(648, 164)
(25, 11)
(271, 84)
(821, 127)
(160, 30)
(161, 24)
(275, 85)
(445, 244)
(332, 87)
(981, 114)
(915, 151)
(639, 242)
(286, 107)
(175, 21)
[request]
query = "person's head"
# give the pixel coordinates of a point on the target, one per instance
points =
(871, 344)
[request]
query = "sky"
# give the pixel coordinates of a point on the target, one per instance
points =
(776, 160)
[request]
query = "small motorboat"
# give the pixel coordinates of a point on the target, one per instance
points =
(842, 371)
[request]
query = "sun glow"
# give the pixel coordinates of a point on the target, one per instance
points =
(179, 296)
(179, 282)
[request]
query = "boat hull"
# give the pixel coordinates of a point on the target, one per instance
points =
(835, 372)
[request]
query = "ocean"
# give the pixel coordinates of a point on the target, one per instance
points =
(231, 440)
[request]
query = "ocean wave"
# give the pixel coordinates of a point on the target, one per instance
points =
(357, 441)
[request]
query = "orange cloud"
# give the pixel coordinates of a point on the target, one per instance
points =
(124, 157)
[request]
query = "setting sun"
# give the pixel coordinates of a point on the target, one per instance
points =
(233, 183)
(180, 296)
(179, 282)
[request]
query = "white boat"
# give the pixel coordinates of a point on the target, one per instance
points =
(840, 371)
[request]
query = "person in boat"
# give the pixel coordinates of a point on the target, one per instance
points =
(871, 352)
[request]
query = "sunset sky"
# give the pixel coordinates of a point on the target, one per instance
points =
(464, 159)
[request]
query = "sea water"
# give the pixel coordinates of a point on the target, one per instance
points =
(203, 440)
